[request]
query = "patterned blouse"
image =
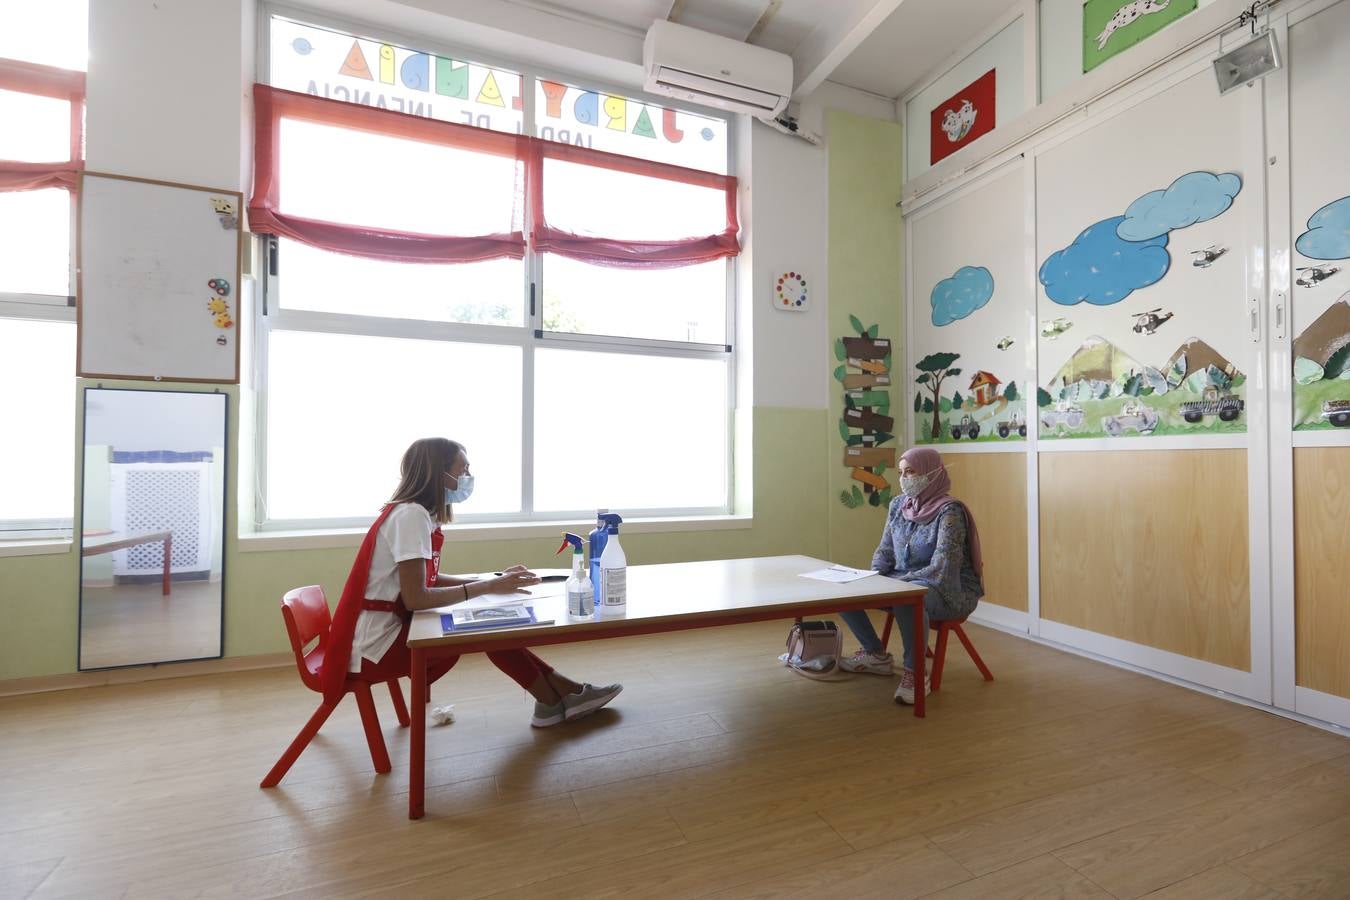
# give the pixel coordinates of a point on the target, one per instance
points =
(933, 554)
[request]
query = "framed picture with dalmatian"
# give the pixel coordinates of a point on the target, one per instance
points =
(1110, 26)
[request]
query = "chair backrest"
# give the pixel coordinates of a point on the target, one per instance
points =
(305, 611)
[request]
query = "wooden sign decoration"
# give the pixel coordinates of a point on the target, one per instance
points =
(866, 423)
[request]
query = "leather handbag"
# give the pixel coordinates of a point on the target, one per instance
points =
(813, 649)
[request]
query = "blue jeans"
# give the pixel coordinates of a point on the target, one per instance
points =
(861, 626)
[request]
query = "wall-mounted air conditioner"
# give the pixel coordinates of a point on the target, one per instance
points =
(712, 70)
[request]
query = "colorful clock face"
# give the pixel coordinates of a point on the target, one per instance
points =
(790, 291)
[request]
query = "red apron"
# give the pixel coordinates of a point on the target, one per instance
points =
(338, 652)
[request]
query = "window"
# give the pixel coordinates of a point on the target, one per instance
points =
(42, 57)
(577, 344)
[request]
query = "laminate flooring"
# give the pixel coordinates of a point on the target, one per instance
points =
(717, 773)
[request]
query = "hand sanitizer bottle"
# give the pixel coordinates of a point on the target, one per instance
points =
(596, 543)
(613, 593)
(580, 594)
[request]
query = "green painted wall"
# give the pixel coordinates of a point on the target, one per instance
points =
(864, 261)
(41, 596)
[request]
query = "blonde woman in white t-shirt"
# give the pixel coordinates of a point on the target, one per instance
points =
(397, 571)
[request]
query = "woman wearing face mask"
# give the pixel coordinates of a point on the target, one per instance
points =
(929, 539)
(397, 571)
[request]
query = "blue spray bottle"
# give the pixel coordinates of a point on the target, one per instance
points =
(580, 593)
(595, 542)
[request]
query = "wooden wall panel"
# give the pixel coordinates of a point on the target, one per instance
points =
(994, 486)
(1322, 568)
(1150, 547)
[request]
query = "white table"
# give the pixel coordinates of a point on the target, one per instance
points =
(661, 598)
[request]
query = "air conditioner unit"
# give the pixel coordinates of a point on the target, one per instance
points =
(708, 69)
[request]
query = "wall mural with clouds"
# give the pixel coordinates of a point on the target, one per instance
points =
(1141, 311)
(968, 347)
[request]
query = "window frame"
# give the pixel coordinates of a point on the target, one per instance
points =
(271, 314)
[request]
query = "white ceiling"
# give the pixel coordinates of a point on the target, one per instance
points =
(884, 47)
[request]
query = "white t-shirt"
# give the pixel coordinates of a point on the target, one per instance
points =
(405, 534)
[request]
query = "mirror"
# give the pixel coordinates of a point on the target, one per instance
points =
(153, 526)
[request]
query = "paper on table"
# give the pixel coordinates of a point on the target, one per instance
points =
(837, 574)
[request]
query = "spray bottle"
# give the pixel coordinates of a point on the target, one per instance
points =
(580, 593)
(595, 541)
(613, 592)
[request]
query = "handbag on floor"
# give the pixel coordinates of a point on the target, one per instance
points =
(813, 649)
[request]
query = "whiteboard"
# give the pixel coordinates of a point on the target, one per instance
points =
(148, 252)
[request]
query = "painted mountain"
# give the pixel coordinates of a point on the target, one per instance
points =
(1328, 334)
(1196, 364)
(1097, 359)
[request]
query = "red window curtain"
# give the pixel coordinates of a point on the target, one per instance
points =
(613, 210)
(603, 208)
(60, 84)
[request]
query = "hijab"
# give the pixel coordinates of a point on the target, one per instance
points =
(936, 496)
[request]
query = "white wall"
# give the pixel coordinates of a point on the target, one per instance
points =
(168, 89)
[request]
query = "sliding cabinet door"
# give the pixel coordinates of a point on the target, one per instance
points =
(970, 351)
(1151, 397)
(1309, 140)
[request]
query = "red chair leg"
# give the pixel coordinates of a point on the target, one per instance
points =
(970, 648)
(886, 632)
(371, 723)
(298, 745)
(396, 695)
(940, 657)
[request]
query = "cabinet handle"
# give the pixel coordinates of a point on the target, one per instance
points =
(1279, 315)
(1254, 310)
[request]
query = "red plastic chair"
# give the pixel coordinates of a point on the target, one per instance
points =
(939, 656)
(306, 613)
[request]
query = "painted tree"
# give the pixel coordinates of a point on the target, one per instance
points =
(935, 367)
(918, 402)
(1010, 392)
(1043, 398)
(957, 400)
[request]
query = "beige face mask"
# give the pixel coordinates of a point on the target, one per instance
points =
(913, 485)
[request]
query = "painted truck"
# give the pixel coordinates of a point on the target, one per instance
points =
(1133, 415)
(1337, 412)
(1066, 414)
(968, 427)
(1014, 423)
(1226, 406)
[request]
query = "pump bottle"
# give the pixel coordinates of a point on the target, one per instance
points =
(596, 544)
(580, 593)
(613, 592)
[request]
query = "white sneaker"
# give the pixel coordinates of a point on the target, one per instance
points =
(905, 692)
(871, 663)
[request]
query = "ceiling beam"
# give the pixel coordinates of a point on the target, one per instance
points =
(830, 43)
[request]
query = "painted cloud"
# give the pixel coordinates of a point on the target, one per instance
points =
(1194, 197)
(1328, 234)
(959, 296)
(1101, 269)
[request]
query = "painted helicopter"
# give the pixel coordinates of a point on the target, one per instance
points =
(1205, 258)
(1053, 328)
(1314, 274)
(1149, 322)
(1004, 344)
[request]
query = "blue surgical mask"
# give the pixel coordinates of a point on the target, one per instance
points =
(462, 491)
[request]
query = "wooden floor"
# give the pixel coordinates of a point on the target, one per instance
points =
(718, 773)
(128, 624)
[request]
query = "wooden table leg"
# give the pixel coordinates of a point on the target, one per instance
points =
(168, 557)
(417, 747)
(920, 658)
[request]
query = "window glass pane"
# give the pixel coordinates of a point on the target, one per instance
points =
(482, 293)
(617, 124)
(684, 304)
(45, 132)
(604, 203)
(341, 409)
(393, 183)
(629, 432)
(53, 32)
(331, 64)
(35, 243)
(37, 458)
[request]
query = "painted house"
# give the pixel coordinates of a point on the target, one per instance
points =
(984, 387)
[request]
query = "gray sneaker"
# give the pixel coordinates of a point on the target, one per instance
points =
(545, 715)
(589, 699)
